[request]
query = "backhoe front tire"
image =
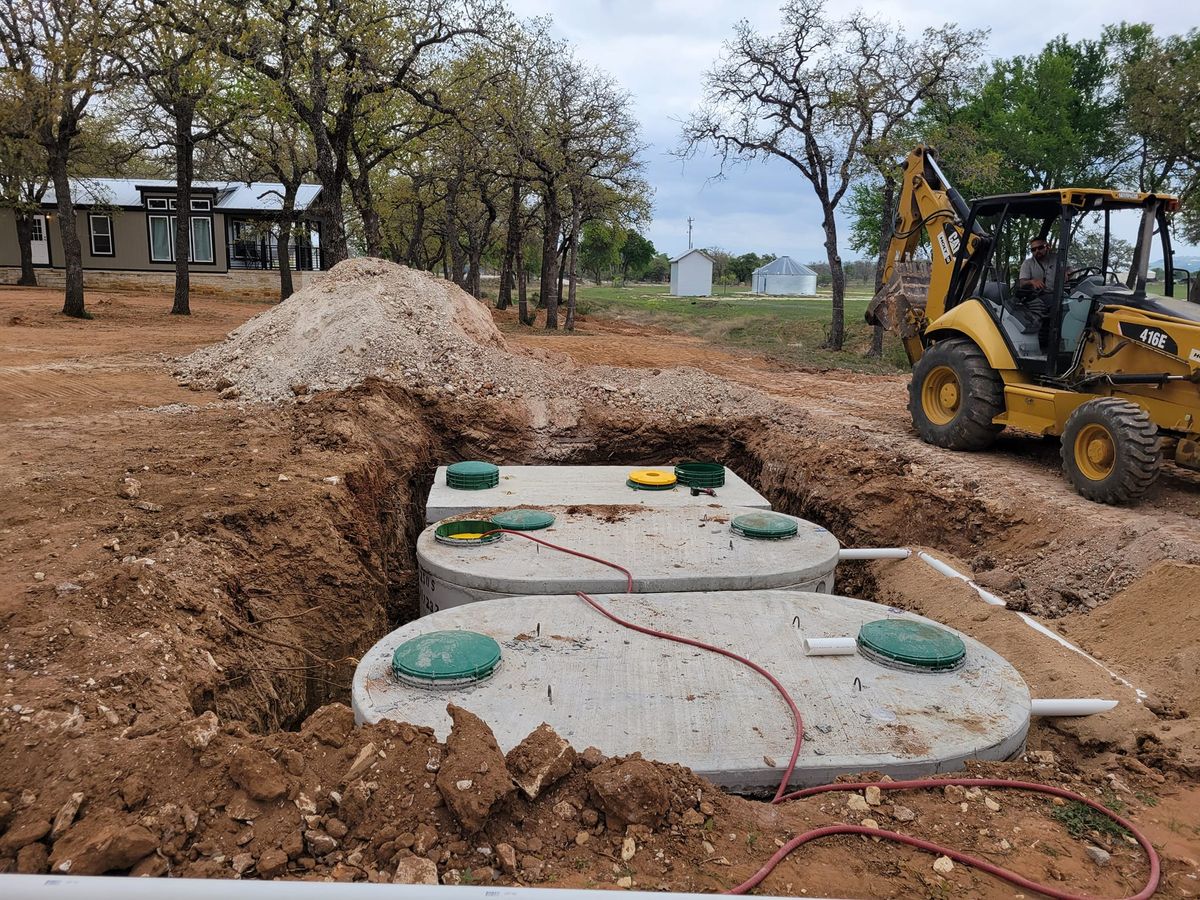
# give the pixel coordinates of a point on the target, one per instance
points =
(1111, 451)
(954, 395)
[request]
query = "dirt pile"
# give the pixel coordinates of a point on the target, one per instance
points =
(368, 318)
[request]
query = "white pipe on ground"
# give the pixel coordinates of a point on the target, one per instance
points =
(96, 887)
(830, 646)
(938, 566)
(874, 553)
(1070, 707)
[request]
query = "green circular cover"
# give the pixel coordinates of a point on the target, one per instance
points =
(446, 656)
(523, 519)
(764, 525)
(472, 475)
(913, 643)
(473, 467)
(445, 532)
(649, 487)
(700, 474)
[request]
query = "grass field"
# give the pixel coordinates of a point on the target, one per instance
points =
(789, 329)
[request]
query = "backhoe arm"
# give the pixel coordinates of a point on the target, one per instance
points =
(914, 292)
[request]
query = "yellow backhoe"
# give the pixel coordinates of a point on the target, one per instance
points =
(1094, 358)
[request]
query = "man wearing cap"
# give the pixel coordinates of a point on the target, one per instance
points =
(1036, 279)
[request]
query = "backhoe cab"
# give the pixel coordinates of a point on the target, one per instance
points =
(1110, 367)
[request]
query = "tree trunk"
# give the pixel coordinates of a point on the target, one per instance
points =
(415, 255)
(69, 231)
(184, 115)
(552, 221)
(837, 324)
(562, 271)
(522, 287)
(25, 243)
(511, 240)
(290, 189)
(885, 238)
(449, 231)
(573, 264)
(334, 247)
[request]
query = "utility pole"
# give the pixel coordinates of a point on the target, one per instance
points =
(689, 232)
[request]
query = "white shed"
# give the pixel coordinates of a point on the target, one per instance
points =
(785, 276)
(691, 274)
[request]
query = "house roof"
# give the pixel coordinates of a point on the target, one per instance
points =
(689, 253)
(231, 196)
(784, 265)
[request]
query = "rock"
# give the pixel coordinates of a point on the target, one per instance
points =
(33, 859)
(319, 843)
(999, 580)
(857, 803)
(191, 819)
(507, 857)
(991, 804)
(242, 863)
(260, 776)
(293, 761)
(230, 393)
(153, 866)
(973, 793)
(903, 813)
(943, 865)
(1042, 757)
(631, 791)
(199, 732)
(66, 816)
(362, 762)
(129, 488)
(582, 838)
(331, 724)
(425, 839)
(147, 506)
(472, 755)
(272, 862)
(134, 791)
(531, 866)
(565, 811)
(1097, 855)
(628, 849)
(954, 793)
(625, 881)
(540, 760)
(415, 870)
(241, 808)
(39, 576)
(693, 818)
(27, 827)
(299, 389)
(97, 846)
(355, 803)
(869, 823)
(337, 828)
(293, 845)
(592, 757)
(873, 795)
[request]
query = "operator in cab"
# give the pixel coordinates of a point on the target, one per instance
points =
(1036, 279)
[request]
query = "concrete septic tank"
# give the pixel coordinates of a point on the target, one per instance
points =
(555, 659)
(585, 485)
(698, 548)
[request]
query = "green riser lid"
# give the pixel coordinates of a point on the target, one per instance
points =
(700, 474)
(446, 658)
(523, 519)
(649, 487)
(764, 525)
(911, 645)
(472, 475)
(445, 533)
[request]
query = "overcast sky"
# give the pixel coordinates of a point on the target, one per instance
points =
(659, 49)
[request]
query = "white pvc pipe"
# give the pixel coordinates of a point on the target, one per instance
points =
(874, 553)
(1065, 707)
(96, 887)
(938, 566)
(830, 646)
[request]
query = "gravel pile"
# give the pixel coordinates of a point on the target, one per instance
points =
(372, 318)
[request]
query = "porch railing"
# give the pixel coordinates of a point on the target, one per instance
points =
(264, 254)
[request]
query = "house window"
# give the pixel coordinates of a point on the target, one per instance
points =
(202, 239)
(156, 203)
(100, 228)
(201, 205)
(35, 229)
(162, 238)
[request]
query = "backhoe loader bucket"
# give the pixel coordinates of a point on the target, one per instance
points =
(900, 304)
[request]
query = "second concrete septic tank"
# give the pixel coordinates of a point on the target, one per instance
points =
(915, 698)
(696, 548)
(557, 485)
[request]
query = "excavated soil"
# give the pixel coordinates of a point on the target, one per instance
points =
(188, 581)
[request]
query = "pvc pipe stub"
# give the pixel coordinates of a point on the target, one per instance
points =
(446, 659)
(472, 475)
(764, 526)
(466, 533)
(910, 645)
(523, 519)
(651, 480)
(700, 474)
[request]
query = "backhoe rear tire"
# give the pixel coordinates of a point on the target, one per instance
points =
(1111, 450)
(954, 395)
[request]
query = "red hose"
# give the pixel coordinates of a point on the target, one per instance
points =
(781, 794)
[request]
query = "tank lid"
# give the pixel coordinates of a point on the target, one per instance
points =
(651, 480)
(523, 519)
(911, 644)
(472, 475)
(468, 532)
(446, 658)
(700, 474)
(764, 525)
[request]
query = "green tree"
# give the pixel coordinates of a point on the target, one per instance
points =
(600, 249)
(636, 255)
(742, 267)
(659, 269)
